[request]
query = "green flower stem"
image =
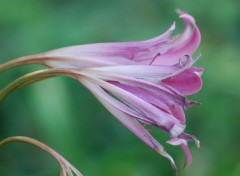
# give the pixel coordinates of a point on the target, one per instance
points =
(33, 59)
(66, 168)
(35, 77)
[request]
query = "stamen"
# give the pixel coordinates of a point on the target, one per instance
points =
(184, 60)
(158, 54)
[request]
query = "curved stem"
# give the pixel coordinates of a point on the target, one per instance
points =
(66, 167)
(33, 59)
(35, 77)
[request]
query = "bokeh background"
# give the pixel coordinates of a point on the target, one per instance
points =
(64, 115)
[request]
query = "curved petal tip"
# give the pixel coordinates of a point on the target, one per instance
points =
(162, 152)
(185, 16)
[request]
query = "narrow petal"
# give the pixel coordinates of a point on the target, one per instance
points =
(159, 101)
(161, 119)
(128, 121)
(188, 155)
(161, 90)
(189, 137)
(102, 53)
(83, 61)
(110, 53)
(182, 141)
(152, 73)
(146, 95)
(161, 50)
(185, 148)
(186, 43)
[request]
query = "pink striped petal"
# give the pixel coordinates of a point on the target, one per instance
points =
(160, 90)
(160, 102)
(185, 44)
(127, 120)
(162, 50)
(151, 73)
(188, 82)
(160, 118)
(103, 53)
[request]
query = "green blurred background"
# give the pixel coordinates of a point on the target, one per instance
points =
(64, 115)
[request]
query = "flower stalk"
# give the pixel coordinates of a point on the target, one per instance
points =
(67, 169)
(33, 77)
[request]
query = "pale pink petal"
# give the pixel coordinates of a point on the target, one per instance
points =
(161, 119)
(127, 120)
(159, 89)
(157, 100)
(102, 53)
(186, 43)
(159, 50)
(154, 99)
(83, 62)
(151, 73)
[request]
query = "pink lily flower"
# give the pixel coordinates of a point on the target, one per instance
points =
(143, 82)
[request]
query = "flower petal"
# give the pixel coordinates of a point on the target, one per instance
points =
(102, 53)
(185, 44)
(161, 50)
(160, 118)
(151, 73)
(184, 146)
(188, 82)
(177, 112)
(127, 120)
(161, 90)
(161, 102)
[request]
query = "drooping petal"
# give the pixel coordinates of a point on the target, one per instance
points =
(160, 90)
(161, 119)
(127, 120)
(188, 155)
(189, 137)
(188, 82)
(182, 140)
(146, 95)
(185, 148)
(160, 102)
(117, 103)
